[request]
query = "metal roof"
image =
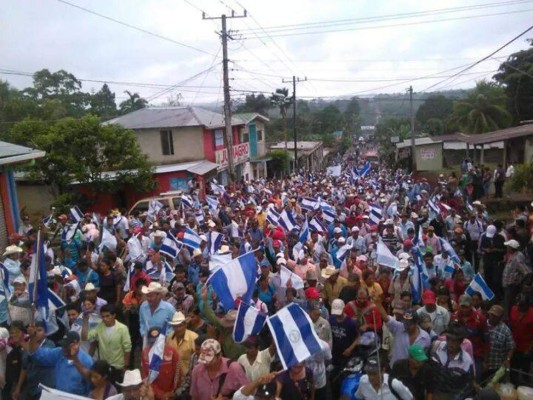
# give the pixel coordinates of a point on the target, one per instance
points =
(246, 118)
(499, 135)
(300, 145)
(12, 153)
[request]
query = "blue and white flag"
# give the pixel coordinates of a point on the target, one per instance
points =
(376, 214)
(191, 239)
(449, 269)
(47, 221)
(54, 301)
(166, 274)
(199, 215)
(76, 214)
(304, 233)
(234, 280)
(218, 260)
(187, 201)
(285, 274)
(214, 241)
(170, 246)
(249, 322)
(127, 285)
(217, 189)
(37, 283)
(153, 209)
(287, 221)
(417, 278)
(319, 226)
(365, 169)
(68, 232)
(329, 215)
(5, 292)
(108, 241)
(385, 256)
(433, 206)
(343, 252)
(448, 248)
(392, 209)
(212, 202)
(155, 358)
(418, 241)
(478, 284)
(294, 335)
(272, 216)
(334, 171)
(469, 207)
(310, 204)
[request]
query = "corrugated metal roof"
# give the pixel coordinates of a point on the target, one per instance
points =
(245, 118)
(203, 167)
(301, 145)
(418, 142)
(12, 153)
(502, 134)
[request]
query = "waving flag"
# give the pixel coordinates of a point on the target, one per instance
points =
(272, 216)
(54, 301)
(418, 241)
(365, 169)
(392, 209)
(214, 241)
(155, 358)
(5, 292)
(108, 241)
(294, 335)
(417, 278)
(250, 321)
(234, 280)
(47, 221)
(212, 202)
(285, 274)
(199, 215)
(37, 284)
(329, 215)
(166, 274)
(433, 206)
(343, 252)
(187, 201)
(286, 220)
(315, 223)
(385, 257)
(191, 239)
(448, 248)
(218, 260)
(127, 285)
(153, 209)
(170, 246)
(217, 189)
(76, 214)
(376, 214)
(334, 171)
(310, 204)
(304, 233)
(478, 284)
(68, 232)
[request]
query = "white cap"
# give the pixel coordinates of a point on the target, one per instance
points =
(404, 256)
(355, 229)
(491, 231)
(337, 230)
(404, 264)
(337, 307)
(281, 260)
(341, 240)
(513, 244)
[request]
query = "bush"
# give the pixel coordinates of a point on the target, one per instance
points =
(523, 177)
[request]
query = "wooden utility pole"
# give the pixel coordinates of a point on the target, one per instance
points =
(294, 81)
(228, 137)
(412, 115)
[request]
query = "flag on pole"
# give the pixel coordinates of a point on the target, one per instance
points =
(212, 202)
(249, 321)
(76, 214)
(234, 280)
(69, 231)
(218, 260)
(170, 246)
(329, 215)
(376, 214)
(130, 273)
(417, 278)
(343, 252)
(155, 358)
(153, 209)
(191, 239)
(310, 204)
(285, 274)
(287, 221)
(108, 241)
(448, 248)
(199, 215)
(47, 221)
(385, 256)
(304, 233)
(319, 226)
(187, 201)
(214, 241)
(294, 335)
(478, 284)
(217, 189)
(37, 284)
(365, 169)
(272, 216)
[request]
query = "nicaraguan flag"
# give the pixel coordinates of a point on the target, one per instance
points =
(392, 209)
(310, 204)
(285, 274)
(108, 241)
(343, 252)
(191, 239)
(416, 277)
(68, 232)
(433, 206)
(127, 284)
(212, 202)
(315, 223)
(218, 260)
(5, 292)
(170, 246)
(329, 215)
(334, 171)
(155, 358)
(448, 270)
(234, 280)
(47, 221)
(37, 284)
(304, 233)
(376, 214)
(365, 169)
(187, 201)
(385, 256)
(287, 221)
(272, 217)
(54, 301)
(76, 214)
(448, 248)
(217, 189)
(199, 215)
(294, 335)
(249, 322)
(153, 209)
(418, 241)
(214, 241)
(478, 284)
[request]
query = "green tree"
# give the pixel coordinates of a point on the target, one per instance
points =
(353, 118)
(385, 130)
(280, 161)
(83, 150)
(329, 120)
(133, 103)
(433, 114)
(103, 103)
(252, 103)
(280, 99)
(483, 109)
(516, 76)
(523, 177)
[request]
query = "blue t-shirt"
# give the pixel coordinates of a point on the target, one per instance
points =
(343, 333)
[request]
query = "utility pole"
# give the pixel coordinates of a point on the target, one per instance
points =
(228, 137)
(294, 81)
(412, 115)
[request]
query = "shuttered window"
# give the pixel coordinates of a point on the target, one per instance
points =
(167, 142)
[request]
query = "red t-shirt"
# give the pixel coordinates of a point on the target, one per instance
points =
(522, 329)
(369, 311)
(476, 328)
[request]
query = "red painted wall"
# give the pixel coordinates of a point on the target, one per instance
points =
(10, 224)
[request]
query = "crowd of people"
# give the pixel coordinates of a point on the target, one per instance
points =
(389, 262)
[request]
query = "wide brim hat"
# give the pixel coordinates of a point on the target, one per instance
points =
(329, 271)
(177, 319)
(90, 287)
(154, 287)
(13, 249)
(131, 378)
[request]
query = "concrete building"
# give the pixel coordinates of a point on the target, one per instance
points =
(310, 154)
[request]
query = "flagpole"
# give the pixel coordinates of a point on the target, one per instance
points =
(37, 256)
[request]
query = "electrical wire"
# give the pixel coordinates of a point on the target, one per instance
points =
(128, 25)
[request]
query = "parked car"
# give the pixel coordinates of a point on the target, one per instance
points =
(170, 200)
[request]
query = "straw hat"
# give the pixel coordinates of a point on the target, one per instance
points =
(177, 319)
(10, 250)
(131, 378)
(329, 271)
(154, 287)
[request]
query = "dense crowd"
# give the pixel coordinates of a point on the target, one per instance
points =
(415, 280)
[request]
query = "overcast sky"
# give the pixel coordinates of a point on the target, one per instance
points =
(363, 56)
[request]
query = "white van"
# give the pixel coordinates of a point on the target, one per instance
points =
(170, 200)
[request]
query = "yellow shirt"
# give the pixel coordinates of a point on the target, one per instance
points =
(330, 292)
(375, 291)
(185, 348)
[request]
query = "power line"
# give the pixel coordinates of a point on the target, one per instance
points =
(398, 25)
(128, 25)
(483, 59)
(378, 18)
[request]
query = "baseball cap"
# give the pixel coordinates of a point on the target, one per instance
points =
(312, 293)
(337, 230)
(429, 297)
(491, 231)
(337, 307)
(209, 350)
(513, 244)
(410, 316)
(70, 337)
(372, 366)
(496, 310)
(417, 353)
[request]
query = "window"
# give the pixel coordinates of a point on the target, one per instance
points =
(219, 138)
(167, 142)
(245, 137)
(259, 135)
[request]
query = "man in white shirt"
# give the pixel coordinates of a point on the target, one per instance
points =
(440, 317)
(256, 363)
(377, 385)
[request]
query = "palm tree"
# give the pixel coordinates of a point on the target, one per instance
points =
(482, 110)
(134, 103)
(280, 98)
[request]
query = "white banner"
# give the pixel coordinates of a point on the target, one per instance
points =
(54, 394)
(334, 171)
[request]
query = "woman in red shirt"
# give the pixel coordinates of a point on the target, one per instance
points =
(521, 323)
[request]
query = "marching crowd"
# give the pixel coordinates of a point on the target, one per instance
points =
(374, 258)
